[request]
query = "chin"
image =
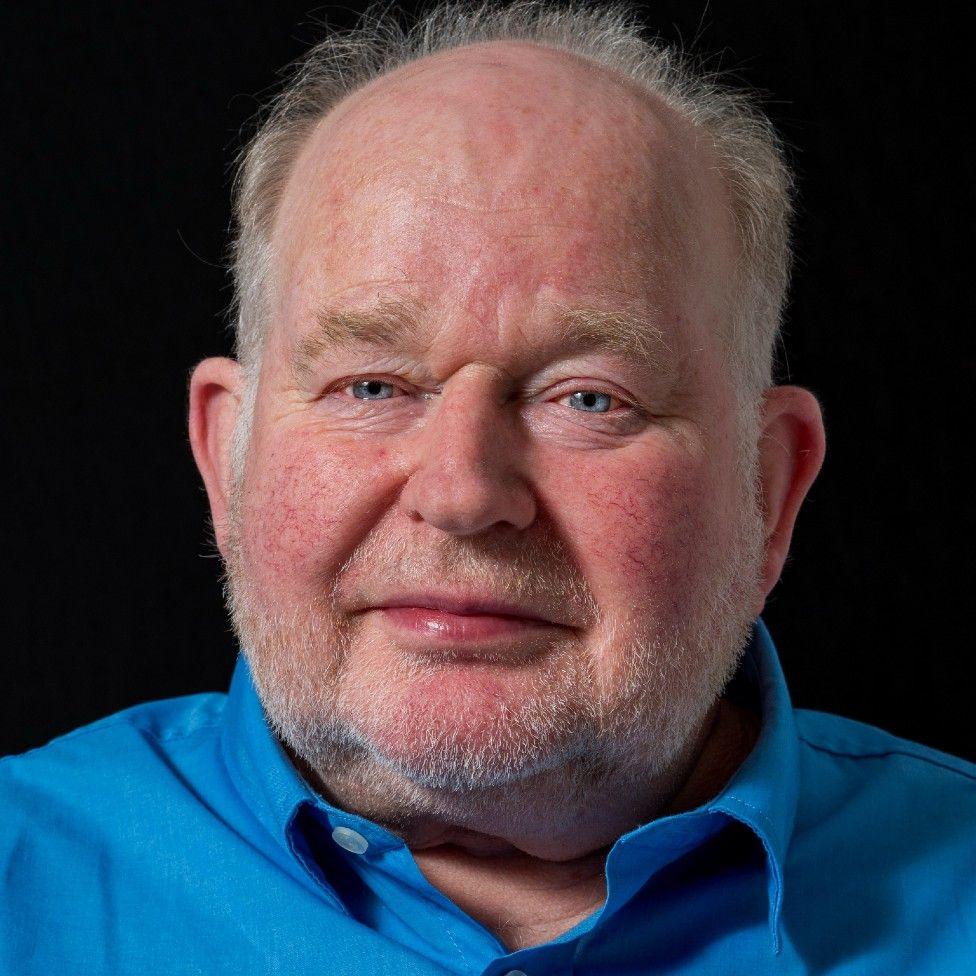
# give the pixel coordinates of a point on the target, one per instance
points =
(464, 728)
(463, 764)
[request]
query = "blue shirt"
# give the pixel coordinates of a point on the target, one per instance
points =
(176, 837)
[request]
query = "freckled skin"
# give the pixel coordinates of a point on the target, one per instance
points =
(484, 270)
(490, 187)
(477, 238)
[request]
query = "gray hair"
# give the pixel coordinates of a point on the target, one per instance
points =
(749, 151)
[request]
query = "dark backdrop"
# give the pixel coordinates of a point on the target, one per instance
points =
(120, 123)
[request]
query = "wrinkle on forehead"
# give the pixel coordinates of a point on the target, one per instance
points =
(399, 325)
(482, 117)
(521, 141)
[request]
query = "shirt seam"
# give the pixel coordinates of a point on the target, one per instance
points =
(82, 733)
(884, 754)
(758, 812)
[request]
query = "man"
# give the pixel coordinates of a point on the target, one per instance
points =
(501, 483)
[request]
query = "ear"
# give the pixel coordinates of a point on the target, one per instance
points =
(791, 451)
(215, 396)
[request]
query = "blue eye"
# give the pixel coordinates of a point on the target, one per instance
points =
(590, 401)
(372, 390)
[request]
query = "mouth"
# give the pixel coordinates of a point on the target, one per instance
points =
(461, 619)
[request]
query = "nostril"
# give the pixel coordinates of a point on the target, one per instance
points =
(466, 501)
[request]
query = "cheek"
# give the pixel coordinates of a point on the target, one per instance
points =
(308, 506)
(643, 530)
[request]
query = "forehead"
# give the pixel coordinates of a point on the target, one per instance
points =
(494, 177)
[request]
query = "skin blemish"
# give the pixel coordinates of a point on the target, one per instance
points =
(602, 526)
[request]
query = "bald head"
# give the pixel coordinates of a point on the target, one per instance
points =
(493, 363)
(672, 166)
(513, 127)
(479, 157)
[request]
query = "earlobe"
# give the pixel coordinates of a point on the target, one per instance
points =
(214, 398)
(791, 452)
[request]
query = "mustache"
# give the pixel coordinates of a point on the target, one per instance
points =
(537, 571)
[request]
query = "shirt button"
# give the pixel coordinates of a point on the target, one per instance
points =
(350, 840)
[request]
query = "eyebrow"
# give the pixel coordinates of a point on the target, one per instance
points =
(397, 324)
(389, 324)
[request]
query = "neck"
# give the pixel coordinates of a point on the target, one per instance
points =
(558, 816)
(528, 862)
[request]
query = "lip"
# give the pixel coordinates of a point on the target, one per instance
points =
(464, 606)
(460, 619)
(460, 627)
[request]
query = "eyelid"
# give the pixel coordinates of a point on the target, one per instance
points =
(591, 389)
(340, 385)
(569, 387)
(597, 386)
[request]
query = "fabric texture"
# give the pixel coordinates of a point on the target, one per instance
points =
(176, 837)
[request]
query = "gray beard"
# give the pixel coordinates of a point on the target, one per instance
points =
(621, 736)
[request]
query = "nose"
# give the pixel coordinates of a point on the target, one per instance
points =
(466, 477)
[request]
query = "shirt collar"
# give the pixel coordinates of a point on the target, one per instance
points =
(258, 765)
(762, 794)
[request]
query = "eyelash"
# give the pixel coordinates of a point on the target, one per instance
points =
(346, 384)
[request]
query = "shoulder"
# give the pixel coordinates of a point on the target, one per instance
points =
(165, 720)
(886, 811)
(125, 846)
(880, 777)
(88, 814)
(882, 855)
(95, 770)
(876, 753)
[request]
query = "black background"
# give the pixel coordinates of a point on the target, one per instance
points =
(120, 124)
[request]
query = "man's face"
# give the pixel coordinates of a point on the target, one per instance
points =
(494, 374)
